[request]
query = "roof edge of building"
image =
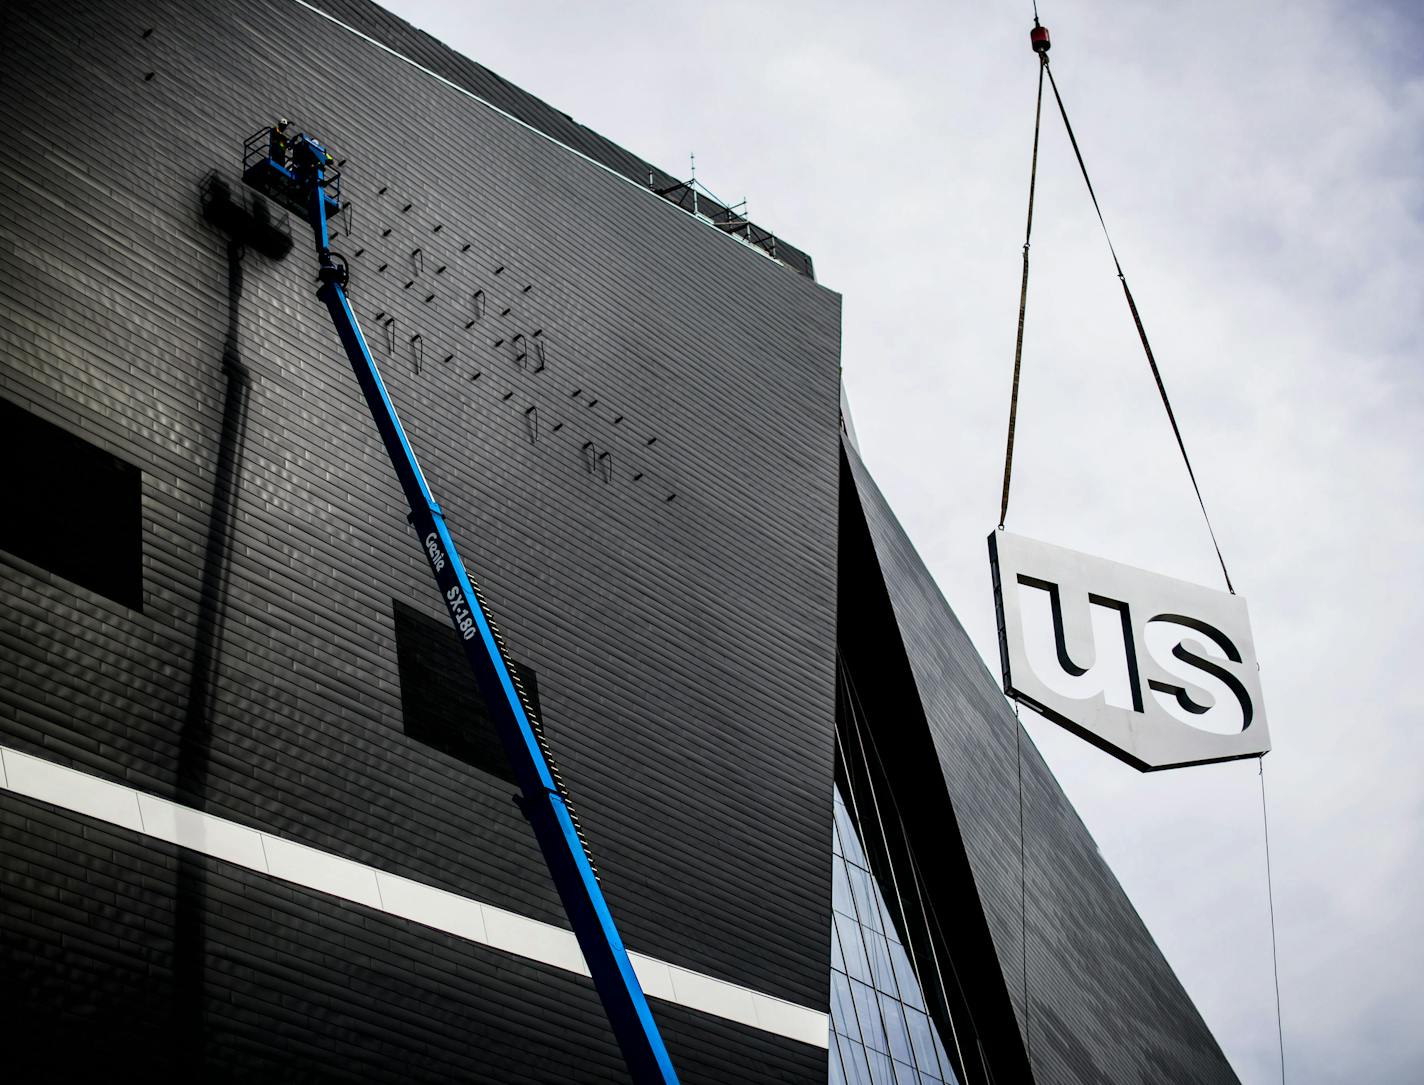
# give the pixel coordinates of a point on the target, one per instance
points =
(428, 53)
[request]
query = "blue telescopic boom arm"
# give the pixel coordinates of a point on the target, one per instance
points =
(544, 802)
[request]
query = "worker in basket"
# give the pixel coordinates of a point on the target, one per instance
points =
(310, 154)
(277, 142)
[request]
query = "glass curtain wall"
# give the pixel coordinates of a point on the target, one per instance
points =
(881, 1034)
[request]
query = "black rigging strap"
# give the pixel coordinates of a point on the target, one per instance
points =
(1131, 305)
(1023, 300)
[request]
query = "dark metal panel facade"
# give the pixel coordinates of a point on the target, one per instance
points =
(103, 977)
(660, 549)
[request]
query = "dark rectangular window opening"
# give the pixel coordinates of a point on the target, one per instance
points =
(70, 507)
(441, 704)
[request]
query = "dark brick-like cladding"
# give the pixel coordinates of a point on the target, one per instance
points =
(634, 439)
(645, 482)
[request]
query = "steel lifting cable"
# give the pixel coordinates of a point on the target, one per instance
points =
(1040, 44)
(1004, 511)
(1271, 902)
(1023, 296)
(1023, 892)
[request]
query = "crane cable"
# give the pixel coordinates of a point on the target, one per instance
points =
(1271, 902)
(1023, 296)
(1039, 38)
(1040, 41)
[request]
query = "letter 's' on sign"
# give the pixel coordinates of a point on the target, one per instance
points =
(1185, 652)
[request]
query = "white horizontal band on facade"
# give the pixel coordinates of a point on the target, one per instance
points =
(128, 808)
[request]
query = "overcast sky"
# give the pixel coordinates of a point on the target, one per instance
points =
(1260, 167)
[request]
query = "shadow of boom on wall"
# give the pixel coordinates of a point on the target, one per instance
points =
(245, 224)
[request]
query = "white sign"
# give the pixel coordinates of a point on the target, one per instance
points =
(1156, 671)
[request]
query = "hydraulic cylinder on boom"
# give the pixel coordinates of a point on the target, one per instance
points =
(308, 185)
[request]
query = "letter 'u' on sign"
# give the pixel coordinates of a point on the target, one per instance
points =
(1186, 652)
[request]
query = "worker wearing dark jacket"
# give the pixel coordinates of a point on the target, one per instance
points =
(277, 146)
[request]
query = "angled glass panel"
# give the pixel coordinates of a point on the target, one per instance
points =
(855, 1062)
(845, 828)
(872, 1031)
(906, 1074)
(863, 888)
(905, 977)
(882, 972)
(841, 899)
(881, 1068)
(837, 1076)
(843, 1018)
(882, 1034)
(922, 1039)
(850, 839)
(896, 1031)
(853, 947)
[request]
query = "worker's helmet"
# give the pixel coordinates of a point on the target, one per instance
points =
(283, 124)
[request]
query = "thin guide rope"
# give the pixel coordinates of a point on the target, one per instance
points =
(1271, 900)
(1023, 890)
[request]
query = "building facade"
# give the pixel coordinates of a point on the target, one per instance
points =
(255, 823)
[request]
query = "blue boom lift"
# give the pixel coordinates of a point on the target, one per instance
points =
(307, 185)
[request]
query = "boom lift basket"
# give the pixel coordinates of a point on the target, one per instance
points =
(275, 179)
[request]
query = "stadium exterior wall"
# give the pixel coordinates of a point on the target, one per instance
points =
(227, 854)
(675, 597)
